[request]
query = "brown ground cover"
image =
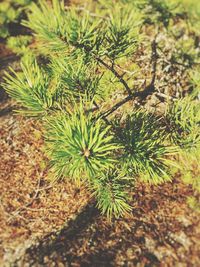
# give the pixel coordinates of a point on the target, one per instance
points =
(30, 206)
(47, 224)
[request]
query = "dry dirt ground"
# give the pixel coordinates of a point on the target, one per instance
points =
(30, 206)
(56, 224)
(46, 224)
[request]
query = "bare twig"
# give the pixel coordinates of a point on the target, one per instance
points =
(116, 106)
(154, 60)
(142, 95)
(120, 77)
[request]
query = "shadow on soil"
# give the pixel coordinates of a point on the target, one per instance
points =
(60, 243)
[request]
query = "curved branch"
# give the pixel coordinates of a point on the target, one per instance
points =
(120, 78)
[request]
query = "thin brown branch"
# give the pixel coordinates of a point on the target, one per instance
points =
(104, 118)
(154, 60)
(142, 95)
(116, 106)
(107, 66)
(120, 77)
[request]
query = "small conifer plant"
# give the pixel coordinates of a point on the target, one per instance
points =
(82, 80)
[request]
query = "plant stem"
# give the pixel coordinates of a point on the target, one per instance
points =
(120, 78)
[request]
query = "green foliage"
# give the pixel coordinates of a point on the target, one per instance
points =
(76, 76)
(7, 14)
(193, 203)
(85, 67)
(75, 137)
(186, 52)
(11, 11)
(144, 152)
(113, 37)
(65, 30)
(123, 32)
(18, 44)
(183, 118)
(190, 171)
(158, 11)
(192, 9)
(30, 88)
(49, 23)
(190, 174)
(195, 81)
(109, 189)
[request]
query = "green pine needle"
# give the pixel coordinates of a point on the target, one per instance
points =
(110, 193)
(29, 88)
(144, 152)
(78, 145)
(183, 122)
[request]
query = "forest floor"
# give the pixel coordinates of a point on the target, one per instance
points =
(56, 224)
(46, 224)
